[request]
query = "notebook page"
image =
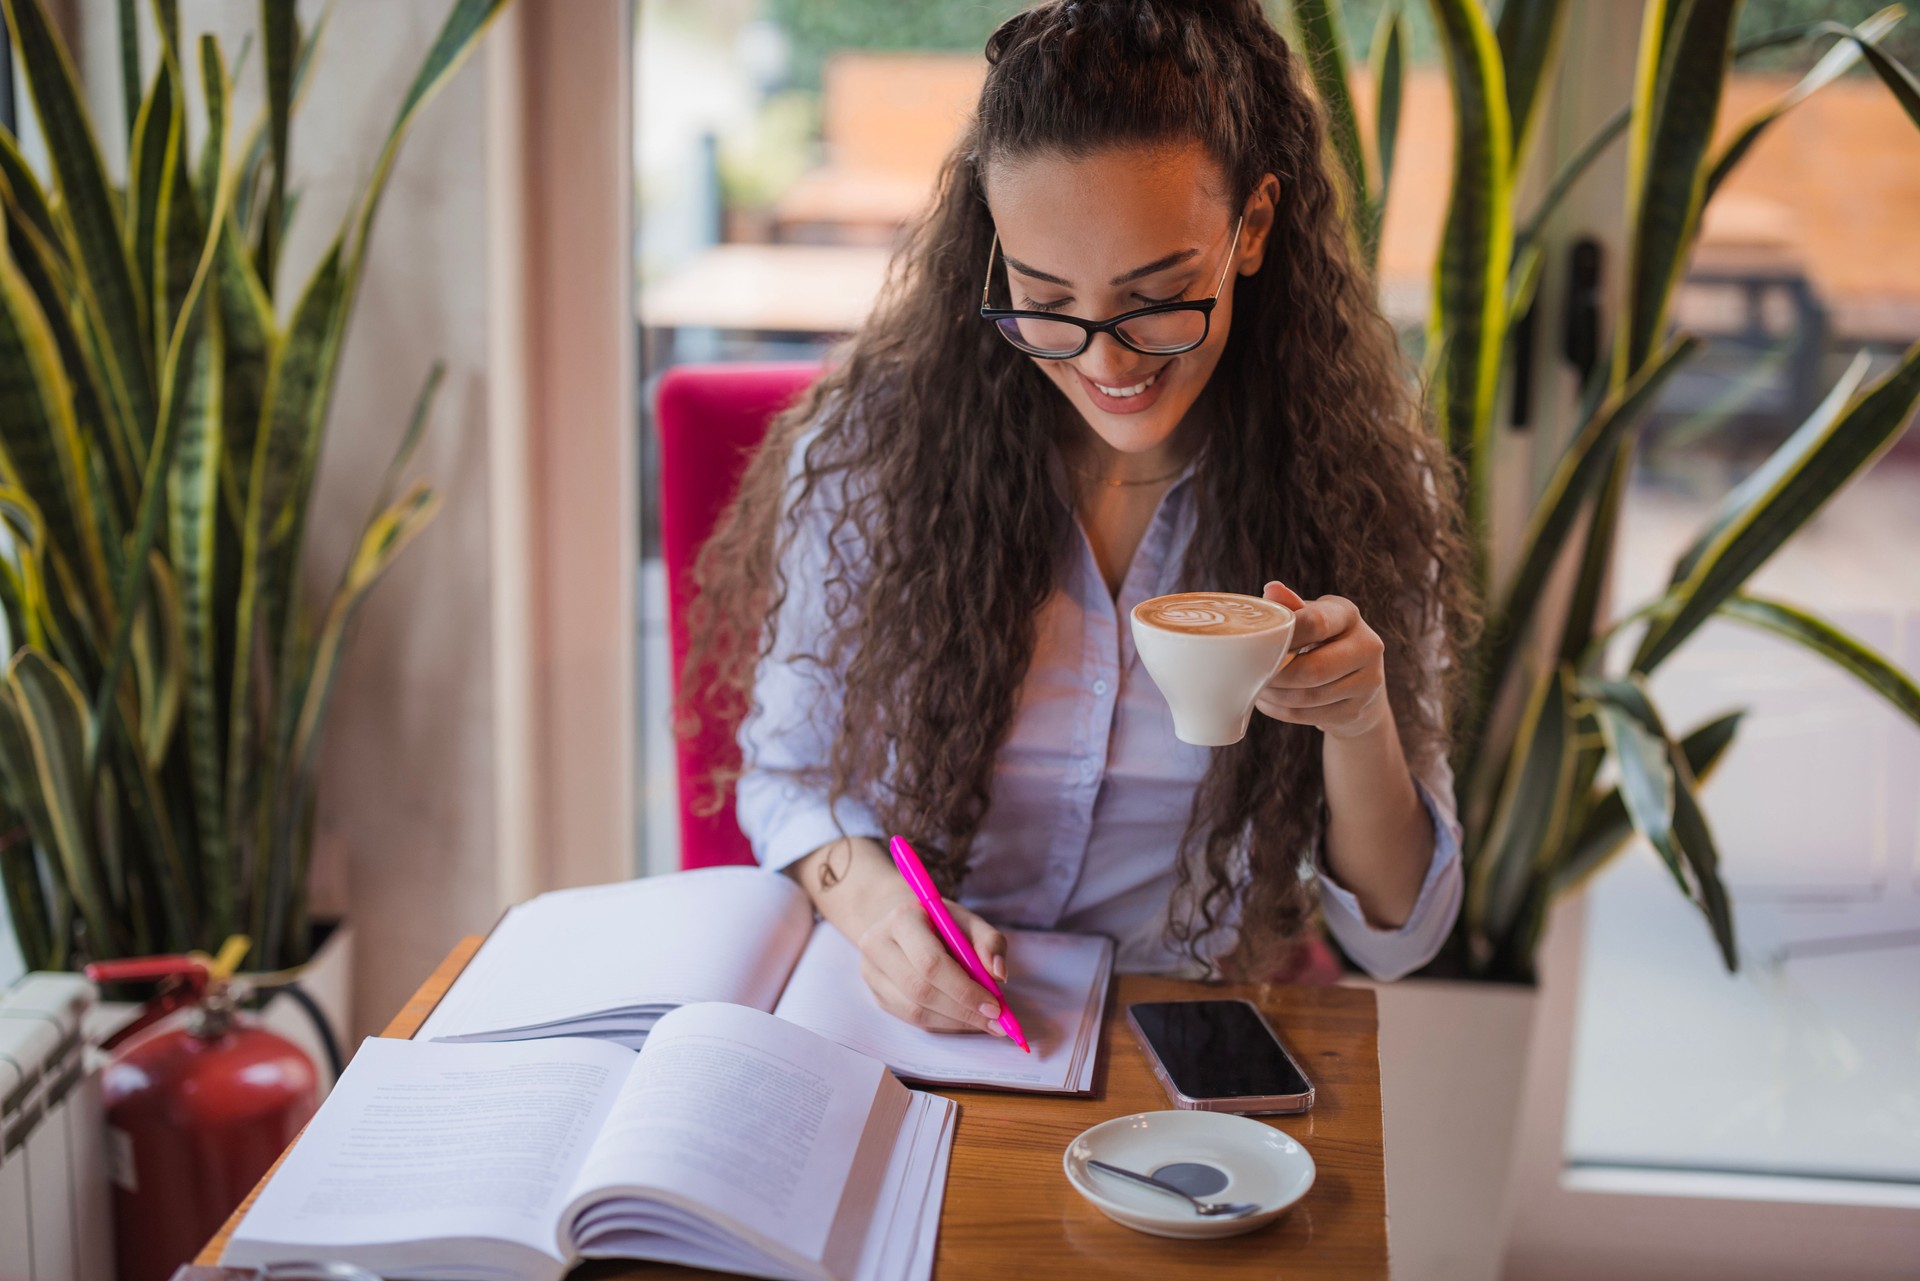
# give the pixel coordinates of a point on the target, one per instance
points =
(780, 1133)
(717, 934)
(1051, 992)
(421, 1142)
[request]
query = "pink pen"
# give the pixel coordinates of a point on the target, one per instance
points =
(922, 886)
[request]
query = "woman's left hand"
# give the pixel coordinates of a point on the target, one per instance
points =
(1335, 675)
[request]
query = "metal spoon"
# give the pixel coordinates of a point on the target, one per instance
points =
(1205, 1209)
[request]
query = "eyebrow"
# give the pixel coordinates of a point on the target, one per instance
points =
(1158, 264)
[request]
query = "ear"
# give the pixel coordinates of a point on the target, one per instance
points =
(1257, 230)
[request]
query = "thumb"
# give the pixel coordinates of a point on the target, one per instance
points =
(1281, 594)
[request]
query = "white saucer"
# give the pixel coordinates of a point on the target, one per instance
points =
(1261, 1164)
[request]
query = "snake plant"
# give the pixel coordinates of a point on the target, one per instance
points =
(1562, 753)
(163, 399)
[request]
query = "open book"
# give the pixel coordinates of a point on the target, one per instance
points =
(609, 960)
(733, 1140)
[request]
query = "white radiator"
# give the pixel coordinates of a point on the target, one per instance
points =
(55, 1213)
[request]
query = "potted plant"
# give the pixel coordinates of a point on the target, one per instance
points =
(1553, 715)
(166, 392)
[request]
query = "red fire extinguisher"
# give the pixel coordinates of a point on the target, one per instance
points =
(195, 1114)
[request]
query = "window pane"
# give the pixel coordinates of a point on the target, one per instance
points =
(1807, 1062)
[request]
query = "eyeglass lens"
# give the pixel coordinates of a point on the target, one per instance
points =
(1165, 331)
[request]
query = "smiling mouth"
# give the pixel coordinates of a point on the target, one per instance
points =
(1122, 393)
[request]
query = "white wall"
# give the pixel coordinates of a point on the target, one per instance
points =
(407, 774)
(405, 830)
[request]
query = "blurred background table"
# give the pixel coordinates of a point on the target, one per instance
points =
(804, 290)
(1009, 1208)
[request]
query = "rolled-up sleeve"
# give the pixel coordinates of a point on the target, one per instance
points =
(787, 739)
(1392, 954)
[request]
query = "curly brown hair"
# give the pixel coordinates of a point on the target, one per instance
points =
(1319, 467)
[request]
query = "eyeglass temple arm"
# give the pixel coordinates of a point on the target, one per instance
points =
(1225, 267)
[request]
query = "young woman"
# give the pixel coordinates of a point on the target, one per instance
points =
(917, 606)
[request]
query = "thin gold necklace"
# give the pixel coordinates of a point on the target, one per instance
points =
(1118, 483)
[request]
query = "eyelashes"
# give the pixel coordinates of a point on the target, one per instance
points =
(1028, 304)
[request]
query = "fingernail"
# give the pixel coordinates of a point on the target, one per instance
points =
(994, 1029)
(999, 968)
(989, 1010)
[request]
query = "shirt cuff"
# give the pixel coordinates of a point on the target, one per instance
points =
(785, 821)
(1394, 953)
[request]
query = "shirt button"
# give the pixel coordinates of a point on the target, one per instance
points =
(1100, 687)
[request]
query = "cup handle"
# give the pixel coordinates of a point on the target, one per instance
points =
(1293, 652)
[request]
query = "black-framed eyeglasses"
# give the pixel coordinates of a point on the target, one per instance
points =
(1164, 329)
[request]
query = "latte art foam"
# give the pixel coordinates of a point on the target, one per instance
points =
(1211, 614)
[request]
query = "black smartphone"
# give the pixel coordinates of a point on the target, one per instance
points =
(1219, 1056)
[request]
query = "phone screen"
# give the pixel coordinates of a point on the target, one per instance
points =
(1217, 1049)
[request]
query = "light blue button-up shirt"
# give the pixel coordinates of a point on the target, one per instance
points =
(1091, 790)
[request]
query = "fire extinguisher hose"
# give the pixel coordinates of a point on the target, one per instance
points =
(321, 1028)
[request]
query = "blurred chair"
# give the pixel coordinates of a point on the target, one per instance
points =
(888, 121)
(1748, 287)
(711, 418)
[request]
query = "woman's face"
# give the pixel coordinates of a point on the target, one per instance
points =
(1111, 232)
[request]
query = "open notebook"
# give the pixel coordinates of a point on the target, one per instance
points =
(732, 1140)
(609, 961)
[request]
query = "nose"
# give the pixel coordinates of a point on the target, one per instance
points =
(1109, 362)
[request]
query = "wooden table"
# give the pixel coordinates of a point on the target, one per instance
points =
(786, 293)
(1009, 1209)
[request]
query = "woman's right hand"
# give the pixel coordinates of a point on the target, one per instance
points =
(916, 979)
(854, 884)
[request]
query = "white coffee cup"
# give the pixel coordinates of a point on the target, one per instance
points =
(1211, 653)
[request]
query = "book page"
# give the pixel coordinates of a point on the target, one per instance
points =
(717, 934)
(1051, 990)
(782, 1136)
(424, 1142)
(906, 1219)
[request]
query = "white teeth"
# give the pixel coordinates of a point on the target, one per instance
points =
(1121, 393)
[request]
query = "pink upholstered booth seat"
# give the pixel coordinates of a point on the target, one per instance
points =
(711, 417)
